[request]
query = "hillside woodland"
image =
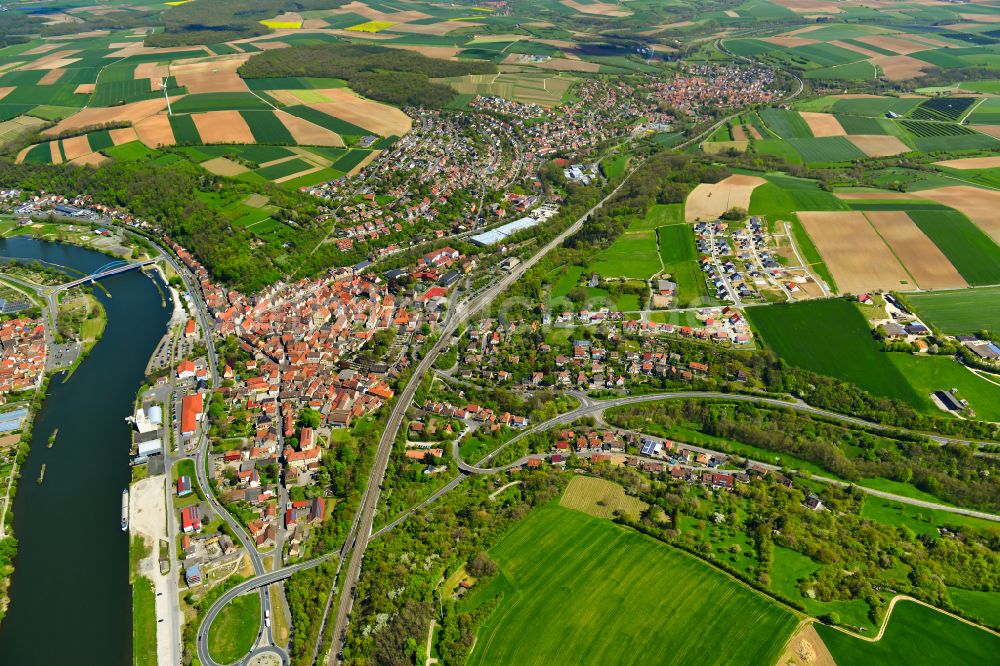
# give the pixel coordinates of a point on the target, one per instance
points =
(401, 78)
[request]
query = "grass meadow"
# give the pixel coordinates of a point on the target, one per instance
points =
(600, 498)
(579, 589)
(232, 633)
(919, 519)
(915, 635)
(789, 567)
(983, 606)
(927, 374)
(831, 337)
(960, 311)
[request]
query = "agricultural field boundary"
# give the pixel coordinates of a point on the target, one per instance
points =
(888, 615)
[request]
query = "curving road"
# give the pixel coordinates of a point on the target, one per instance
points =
(593, 407)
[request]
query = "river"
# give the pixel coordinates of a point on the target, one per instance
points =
(70, 596)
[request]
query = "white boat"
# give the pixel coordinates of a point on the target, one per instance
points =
(124, 509)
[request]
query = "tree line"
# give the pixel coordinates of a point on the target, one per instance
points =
(401, 78)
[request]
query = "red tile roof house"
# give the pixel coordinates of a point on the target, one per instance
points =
(191, 407)
(190, 520)
(185, 369)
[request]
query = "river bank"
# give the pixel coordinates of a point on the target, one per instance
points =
(73, 556)
(8, 542)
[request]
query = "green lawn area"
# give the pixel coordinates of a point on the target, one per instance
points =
(614, 167)
(831, 337)
(915, 635)
(659, 215)
(984, 606)
(129, 152)
(569, 580)
(918, 519)
(899, 488)
(632, 255)
(143, 622)
(960, 311)
(719, 540)
(680, 261)
(569, 279)
(789, 567)
(934, 373)
(233, 632)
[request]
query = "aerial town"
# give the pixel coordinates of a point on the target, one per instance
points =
(443, 333)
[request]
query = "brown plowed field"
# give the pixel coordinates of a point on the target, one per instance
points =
(709, 201)
(878, 145)
(222, 127)
(133, 113)
(123, 135)
(822, 124)
(307, 133)
(374, 116)
(76, 146)
(922, 258)
(972, 162)
(857, 258)
(210, 76)
(155, 131)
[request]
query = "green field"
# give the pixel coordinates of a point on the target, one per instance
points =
(632, 255)
(282, 169)
(934, 373)
(983, 606)
(875, 107)
(321, 176)
(565, 575)
(915, 635)
(144, 622)
(987, 112)
(864, 125)
(680, 261)
(919, 519)
(831, 337)
(185, 131)
(778, 148)
(960, 311)
(233, 631)
(353, 158)
(111, 93)
(789, 567)
(826, 149)
(266, 128)
(972, 252)
(786, 124)
(862, 70)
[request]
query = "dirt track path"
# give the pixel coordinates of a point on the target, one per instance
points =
(888, 615)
